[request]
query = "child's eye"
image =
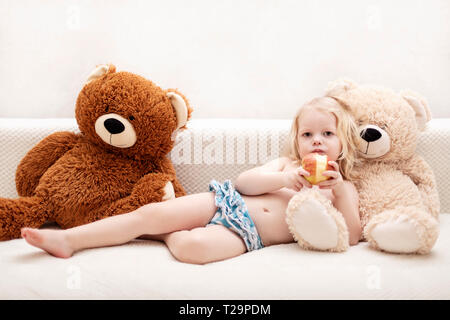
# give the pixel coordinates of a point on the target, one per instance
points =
(306, 134)
(328, 133)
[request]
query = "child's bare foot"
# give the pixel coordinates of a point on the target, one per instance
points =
(52, 241)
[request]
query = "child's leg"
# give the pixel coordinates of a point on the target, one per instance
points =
(205, 244)
(182, 213)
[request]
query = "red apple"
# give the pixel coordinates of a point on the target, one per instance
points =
(316, 164)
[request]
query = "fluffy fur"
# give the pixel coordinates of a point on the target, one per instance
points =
(398, 198)
(74, 179)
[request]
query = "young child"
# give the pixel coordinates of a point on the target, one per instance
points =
(227, 221)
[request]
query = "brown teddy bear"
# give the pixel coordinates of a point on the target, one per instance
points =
(116, 164)
(398, 198)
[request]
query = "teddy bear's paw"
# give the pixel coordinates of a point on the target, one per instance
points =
(169, 192)
(396, 236)
(311, 223)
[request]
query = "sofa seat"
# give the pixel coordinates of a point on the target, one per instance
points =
(145, 269)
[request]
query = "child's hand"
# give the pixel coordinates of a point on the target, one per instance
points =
(336, 181)
(294, 179)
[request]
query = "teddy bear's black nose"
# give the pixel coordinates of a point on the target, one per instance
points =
(114, 126)
(370, 134)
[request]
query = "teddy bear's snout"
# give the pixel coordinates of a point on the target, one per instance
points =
(115, 130)
(114, 126)
(375, 142)
(370, 134)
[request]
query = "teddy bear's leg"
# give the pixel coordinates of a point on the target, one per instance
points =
(18, 213)
(402, 230)
(315, 224)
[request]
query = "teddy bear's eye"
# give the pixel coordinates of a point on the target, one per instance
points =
(131, 118)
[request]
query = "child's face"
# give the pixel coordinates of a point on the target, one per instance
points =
(318, 133)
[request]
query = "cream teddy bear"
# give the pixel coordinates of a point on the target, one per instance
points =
(398, 198)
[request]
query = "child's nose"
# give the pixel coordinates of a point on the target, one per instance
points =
(317, 140)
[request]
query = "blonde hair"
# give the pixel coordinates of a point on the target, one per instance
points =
(347, 132)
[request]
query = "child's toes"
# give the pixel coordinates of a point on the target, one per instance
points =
(23, 232)
(34, 235)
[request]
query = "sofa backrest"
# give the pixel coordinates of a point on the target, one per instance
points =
(213, 149)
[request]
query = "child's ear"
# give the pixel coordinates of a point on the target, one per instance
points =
(101, 70)
(181, 106)
(339, 86)
(420, 107)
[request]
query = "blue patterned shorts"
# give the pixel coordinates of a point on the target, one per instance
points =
(232, 213)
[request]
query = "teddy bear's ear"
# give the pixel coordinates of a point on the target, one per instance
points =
(101, 70)
(339, 86)
(420, 107)
(181, 107)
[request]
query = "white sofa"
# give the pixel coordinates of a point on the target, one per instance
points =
(220, 149)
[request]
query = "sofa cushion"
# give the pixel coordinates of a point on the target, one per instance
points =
(145, 269)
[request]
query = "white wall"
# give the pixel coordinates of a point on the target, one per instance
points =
(232, 58)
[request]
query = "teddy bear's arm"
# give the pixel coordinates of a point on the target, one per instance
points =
(179, 190)
(423, 177)
(166, 166)
(150, 188)
(40, 158)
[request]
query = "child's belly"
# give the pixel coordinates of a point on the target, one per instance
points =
(268, 212)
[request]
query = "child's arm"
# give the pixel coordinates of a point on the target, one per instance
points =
(270, 177)
(346, 201)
